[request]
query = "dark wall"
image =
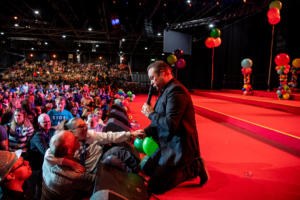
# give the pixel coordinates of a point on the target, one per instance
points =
(249, 37)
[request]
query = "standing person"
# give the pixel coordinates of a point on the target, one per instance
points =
(39, 143)
(60, 180)
(59, 114)
(173, 126)
(3, 139)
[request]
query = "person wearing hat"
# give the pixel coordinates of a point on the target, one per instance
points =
(13, 173)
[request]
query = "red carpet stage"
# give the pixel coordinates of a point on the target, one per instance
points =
(251, 145)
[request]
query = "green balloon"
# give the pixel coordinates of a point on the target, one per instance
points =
(138, 144)
(149, 146)
(215, 33)
(129, 93)
(275, 4)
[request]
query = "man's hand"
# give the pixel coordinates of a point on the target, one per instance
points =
(147, 109)
(139, 133)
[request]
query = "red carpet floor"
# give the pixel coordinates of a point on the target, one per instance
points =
(240, 166)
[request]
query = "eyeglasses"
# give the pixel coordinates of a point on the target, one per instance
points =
(21, 165)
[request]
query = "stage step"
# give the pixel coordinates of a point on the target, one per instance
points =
(290, 106)
(273, 125)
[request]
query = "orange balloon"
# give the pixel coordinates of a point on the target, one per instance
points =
(296, 62)
(218, 41)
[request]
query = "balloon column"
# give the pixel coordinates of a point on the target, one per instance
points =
(211, 42)
(274, 12)
(273, 18)
(282, 61)
(295, 69)
(246, 71)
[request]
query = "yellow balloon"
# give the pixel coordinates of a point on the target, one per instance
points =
(296, 62)
(286, 96)
(172, 59)
(275, 4)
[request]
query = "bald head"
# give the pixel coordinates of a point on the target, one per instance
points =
(63, 144)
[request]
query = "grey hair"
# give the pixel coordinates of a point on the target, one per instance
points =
(41, 117)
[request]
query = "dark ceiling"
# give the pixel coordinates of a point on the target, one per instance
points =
(140, 23)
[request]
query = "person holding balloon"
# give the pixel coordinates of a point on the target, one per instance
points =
(177, 155)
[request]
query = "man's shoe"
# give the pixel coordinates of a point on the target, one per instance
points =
(203, 174)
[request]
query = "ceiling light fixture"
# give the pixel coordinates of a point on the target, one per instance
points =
(64, 36)
(36, 12)
(16, 25)
(211, 25)
(2, 33)
(90, 29)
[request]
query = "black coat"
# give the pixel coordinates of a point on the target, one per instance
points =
(173, 126)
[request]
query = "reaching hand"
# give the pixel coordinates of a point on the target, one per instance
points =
(139, 133)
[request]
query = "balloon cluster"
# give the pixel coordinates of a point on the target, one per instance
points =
(282, 61)
(177, 59)
(246, 71)
(122, 99)
(295, 69)
(146, 145)
(274, 12)
(214, 40)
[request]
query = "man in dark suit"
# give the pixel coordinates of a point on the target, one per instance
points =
(173, 126)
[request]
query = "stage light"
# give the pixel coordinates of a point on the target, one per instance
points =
(64, 36)
(97, 45)
(2, 33)
(146, 48)
(100, 57)
(77, 50)
(15, 18)
(36, 12)
(158, 34)
(245, 1)
(31, 55)
(16, 25)
(152, 59)
(188, 1)
(123, 39)
(121, 52)
(115, 21)
(54, 56)
(210, 25)
(162, 54)
(46, 43)
(32, 48)
(90, 29)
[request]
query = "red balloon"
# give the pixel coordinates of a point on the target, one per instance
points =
(210, 42)
(218, 41)
(180, 63)
(282, 59)
(274, 20)
(273, 12)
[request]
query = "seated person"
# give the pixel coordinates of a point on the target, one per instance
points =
(60, 179)
(13, 173)
(93, 123)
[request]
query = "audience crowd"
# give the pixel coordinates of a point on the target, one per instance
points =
(58, 117)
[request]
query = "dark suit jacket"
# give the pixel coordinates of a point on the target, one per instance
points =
(173, 126)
